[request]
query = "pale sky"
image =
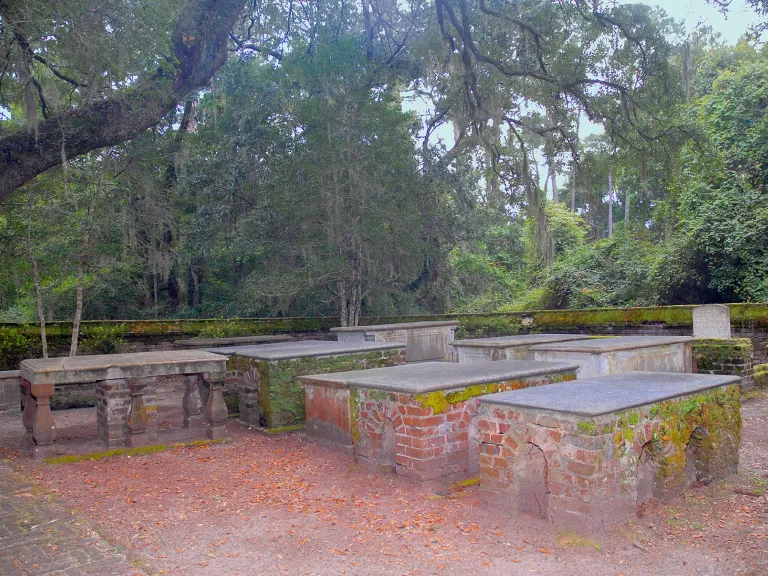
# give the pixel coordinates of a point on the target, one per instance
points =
(694, 14)
(698, 12)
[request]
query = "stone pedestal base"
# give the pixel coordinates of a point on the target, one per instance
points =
(215, 413)
(41, 452)
(136, 440)
(194, 422)
(214, 432)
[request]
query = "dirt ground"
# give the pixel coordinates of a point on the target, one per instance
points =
(272, 505)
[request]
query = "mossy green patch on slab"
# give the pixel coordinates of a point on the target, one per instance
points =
(760, 375)
(568, 539)
(138, 451)
(587, 427)
(468, 482)
(283, 429)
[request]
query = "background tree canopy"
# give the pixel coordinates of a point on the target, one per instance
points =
(190, 158)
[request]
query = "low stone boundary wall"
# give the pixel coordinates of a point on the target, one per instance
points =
(10, 391)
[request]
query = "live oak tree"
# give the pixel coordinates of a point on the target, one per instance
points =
(90, 74)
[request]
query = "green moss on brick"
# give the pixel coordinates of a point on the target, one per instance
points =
(712, 354)
(587, 427)
(760, 375)
(718, 412)
(281, 396)
(440, 400)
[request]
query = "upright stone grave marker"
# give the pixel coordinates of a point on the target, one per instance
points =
(712, 321)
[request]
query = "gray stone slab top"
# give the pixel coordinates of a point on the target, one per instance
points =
(402, 326)
(615, 344)
(10, 374)
(306, 349)
(84, 369)
(236, 340)
(519, 340)
(608, 394)
(431, 376)
(245, 349)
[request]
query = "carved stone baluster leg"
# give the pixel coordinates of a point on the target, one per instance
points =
(43, 427)
(137, 414)
(28, 416)
(215, 409)
(193, 403)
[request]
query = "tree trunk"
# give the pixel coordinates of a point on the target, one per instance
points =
(79, 296)
(644, 177)
(553, 176)
(610, 204)
(36, 281)
(626, 209)
(200, 48)
(573, 188)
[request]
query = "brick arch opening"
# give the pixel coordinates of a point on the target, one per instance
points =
(695, 471)
(388, 445)
(474, 440)
(530, 473)
(647, 472)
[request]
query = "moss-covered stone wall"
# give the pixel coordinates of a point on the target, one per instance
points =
(271, 395)
(724, 356)
(760, 375)
(18, 341)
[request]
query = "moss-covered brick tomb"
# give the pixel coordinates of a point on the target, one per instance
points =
(424, 340)
(585, 454)
(725, 356)
(604, 356)
(418, 419)
(266, 375)
(518, 347)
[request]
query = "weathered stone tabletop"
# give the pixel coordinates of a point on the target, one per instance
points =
(81, 369)
(603, 356)
(304, 349)
(607, 394)
(125, 391)
(517, 347)
(429, 340)
(233, 341)
(432, 376)
(612, 344)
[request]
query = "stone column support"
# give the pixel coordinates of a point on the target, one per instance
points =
(113, 403)
(193, 403)
(137, 414)
(215, 409)
(28, 416)
(43, 426)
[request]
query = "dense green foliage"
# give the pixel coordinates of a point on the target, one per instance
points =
(316, 176)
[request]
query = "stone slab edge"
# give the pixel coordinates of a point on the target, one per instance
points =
(604, 345)
(511, 399)
(402, 326)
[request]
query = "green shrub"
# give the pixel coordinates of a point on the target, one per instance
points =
(103, 339)
(14, 347)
